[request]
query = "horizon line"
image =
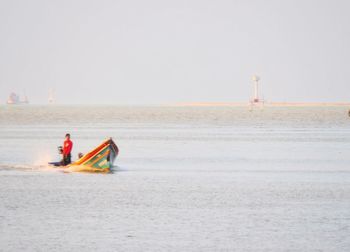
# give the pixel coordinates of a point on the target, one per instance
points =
(192, 104)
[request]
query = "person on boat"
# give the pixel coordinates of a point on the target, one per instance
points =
(67, 149)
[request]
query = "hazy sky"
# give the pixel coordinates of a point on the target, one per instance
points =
(159, 51)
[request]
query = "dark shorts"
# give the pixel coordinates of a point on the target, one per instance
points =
(66, 159)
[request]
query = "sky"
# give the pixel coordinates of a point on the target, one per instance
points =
(163, 52)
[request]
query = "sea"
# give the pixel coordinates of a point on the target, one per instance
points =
(187, 178)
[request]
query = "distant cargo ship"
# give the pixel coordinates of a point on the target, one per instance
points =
(14, 99)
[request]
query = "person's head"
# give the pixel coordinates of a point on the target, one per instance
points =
(67, 136)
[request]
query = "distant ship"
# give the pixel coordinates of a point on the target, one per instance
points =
(14, 99)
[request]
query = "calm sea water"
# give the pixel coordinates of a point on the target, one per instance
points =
(186, 179)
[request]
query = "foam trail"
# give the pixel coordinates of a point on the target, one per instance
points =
(39, 163)
(19, 167)
(42, 159)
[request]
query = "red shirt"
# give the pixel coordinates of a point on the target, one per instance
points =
(67, 147)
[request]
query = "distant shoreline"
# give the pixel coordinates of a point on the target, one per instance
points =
(268, 104)
(196, 104)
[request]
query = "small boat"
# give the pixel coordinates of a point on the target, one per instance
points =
(100, 159)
